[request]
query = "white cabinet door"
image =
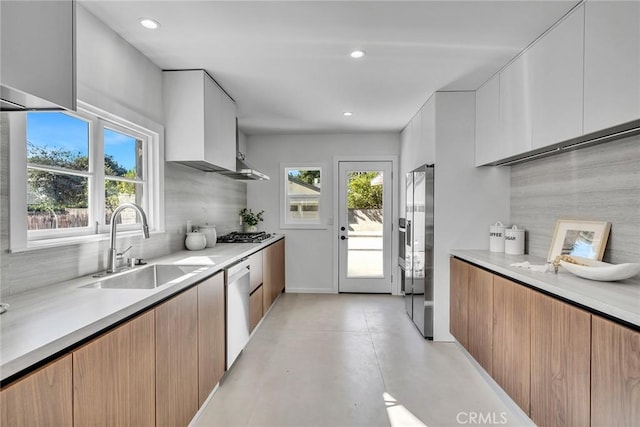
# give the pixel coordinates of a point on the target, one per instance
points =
(183, 93)
(429, 132)
(612, 64)
(212, 119)
(406, 148)
(227, 147)
(38, 54)
(200, 121)
(489, 143)
(515, 106)
(416, 142)
(557, 89)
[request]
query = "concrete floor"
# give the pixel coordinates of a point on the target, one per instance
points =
(351, 360)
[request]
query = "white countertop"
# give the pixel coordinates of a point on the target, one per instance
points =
(45, 321)
(620, 300)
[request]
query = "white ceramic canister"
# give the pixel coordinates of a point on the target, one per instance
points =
(195, 241)
(496, 237)
(209, 232)
(514, 241)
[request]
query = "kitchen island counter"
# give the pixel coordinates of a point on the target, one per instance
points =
(44, 322)
(618, 300)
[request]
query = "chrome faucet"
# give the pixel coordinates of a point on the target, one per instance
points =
(113, 253)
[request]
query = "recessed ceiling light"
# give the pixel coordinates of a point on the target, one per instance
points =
(358, 53)
(150, 24)
(347, 113)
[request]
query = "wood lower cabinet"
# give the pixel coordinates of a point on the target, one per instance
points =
(177, 359)
(255, 308)
(42, 398)
(512, 339)
(471, 310)
(560, 363)
(255, 271)
(615, 374)
(211, 335)
(114, 377)
(279, 267)
(480, 317)
(459, 300)
(273, 273)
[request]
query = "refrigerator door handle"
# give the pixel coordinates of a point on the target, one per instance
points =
(408, 235)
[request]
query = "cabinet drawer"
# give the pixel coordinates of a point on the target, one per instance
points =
(255, 308)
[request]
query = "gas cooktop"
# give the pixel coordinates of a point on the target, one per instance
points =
(235, 237)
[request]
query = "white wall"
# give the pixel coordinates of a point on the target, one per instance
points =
(309, 253)
(112, 74)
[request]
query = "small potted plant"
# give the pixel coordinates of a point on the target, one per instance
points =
(250, 220)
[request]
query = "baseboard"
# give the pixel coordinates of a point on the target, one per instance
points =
(523, 419)
(198, 414)
(291, 290)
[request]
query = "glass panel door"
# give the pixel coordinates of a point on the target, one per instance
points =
(365, 227)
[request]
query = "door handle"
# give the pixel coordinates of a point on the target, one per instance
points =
(343, 238)
(342, 229)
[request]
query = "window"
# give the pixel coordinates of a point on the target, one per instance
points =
(57, 171)
(124, 157)
(302, 197)
(79, 168)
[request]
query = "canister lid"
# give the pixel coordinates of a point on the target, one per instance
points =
(514, 230)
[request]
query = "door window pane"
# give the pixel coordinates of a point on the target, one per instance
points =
(365, 224)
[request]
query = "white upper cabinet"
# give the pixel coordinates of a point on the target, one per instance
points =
(515, 108)
(581, 77)
(612, 64)
(200, 121)
(418, 139)
(489, 145)
(557, 77)
(37, 64)
(428, 151)
(417, 143)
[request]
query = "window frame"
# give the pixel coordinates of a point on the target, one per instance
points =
(21, 239)
(285, 197)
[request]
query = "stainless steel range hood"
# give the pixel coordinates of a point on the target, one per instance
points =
(244, 171)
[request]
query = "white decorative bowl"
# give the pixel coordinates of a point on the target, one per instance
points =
(603, 271)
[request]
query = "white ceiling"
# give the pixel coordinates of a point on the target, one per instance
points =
(287, 63)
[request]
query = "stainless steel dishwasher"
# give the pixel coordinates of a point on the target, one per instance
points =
(237, 290)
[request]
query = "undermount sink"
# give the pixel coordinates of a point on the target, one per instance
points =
(147, 277)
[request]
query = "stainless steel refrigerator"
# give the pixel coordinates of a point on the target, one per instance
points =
(417, 267)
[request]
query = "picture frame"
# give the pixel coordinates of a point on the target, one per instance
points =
(586, 239)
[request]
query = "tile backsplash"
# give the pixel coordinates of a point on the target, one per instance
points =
(601, 183)
(189, 195)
